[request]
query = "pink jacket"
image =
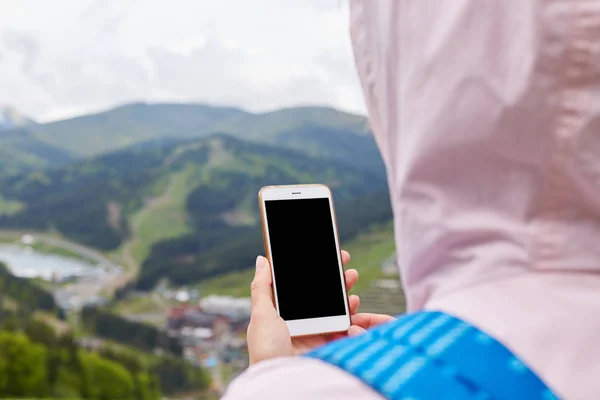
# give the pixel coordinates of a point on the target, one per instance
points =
(487, 114)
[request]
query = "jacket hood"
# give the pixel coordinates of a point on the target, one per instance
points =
(488, 120)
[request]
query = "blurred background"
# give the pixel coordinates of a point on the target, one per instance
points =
(134, 137)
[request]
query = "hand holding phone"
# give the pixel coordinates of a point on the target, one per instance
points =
(302, 246)
(268, 334)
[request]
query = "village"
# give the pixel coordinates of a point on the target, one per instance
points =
(212, 332)
(209, 329)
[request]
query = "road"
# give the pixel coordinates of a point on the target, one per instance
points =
(83, 251)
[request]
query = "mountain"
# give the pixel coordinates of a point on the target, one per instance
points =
(95, 134)
(11, 119)
(299, 128)
(186, 210)
(21, 151)
(19, 148)
(317, 131)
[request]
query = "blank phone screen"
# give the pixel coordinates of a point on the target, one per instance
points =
(305, 259)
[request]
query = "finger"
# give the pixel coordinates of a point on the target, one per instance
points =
(345, 258)
(366, 320)
(353, 303)
(355, 330)
(336, 336)
(351, 277)
(260, 289)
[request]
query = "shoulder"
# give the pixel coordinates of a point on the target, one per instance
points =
(297, 378)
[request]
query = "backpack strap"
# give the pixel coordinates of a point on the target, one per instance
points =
(432, 355)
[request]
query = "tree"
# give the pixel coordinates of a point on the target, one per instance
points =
(22, 367)
(108, 380)
(2, 295)
(41, 364)
(40, 332)
(74, 364)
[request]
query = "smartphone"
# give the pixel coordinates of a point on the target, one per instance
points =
(302, 245)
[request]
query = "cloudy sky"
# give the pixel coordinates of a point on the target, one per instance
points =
(62, 58)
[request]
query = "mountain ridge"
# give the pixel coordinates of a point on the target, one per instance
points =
(10, 118)
(106, 131)
(138, 123)
(20, 151)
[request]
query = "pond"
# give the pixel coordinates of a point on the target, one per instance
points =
(27, 263)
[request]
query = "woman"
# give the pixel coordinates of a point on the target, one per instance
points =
(487, 115)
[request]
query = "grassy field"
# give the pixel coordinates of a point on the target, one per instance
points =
(368, 252)
(137, 305)
(42, 247)
(234, 284)
(9, 207)
(9, 236)
(143, 304)
(163, 218)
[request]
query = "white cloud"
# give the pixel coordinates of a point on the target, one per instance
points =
(65, 57)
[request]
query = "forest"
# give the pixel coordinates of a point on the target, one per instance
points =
(225, 175)
(187, 259)
(37, 361)
(24, 291)
(136, 334)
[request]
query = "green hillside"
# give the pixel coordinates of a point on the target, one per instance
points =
(20, 150)
(95, 134)
(185, 210)
(187, 259)
(369, 250)
(317, 131)
(42, 361)
(153, 185)
(313, 130)
(270, 125)
(127, 125)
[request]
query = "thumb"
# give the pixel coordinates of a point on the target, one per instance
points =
(260, 289)
(355, 330)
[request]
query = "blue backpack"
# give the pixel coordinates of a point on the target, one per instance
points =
(434, 356)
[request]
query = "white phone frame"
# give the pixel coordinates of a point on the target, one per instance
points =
(310, 326)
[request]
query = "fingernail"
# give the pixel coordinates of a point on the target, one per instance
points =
(260, 262)
(355, 330)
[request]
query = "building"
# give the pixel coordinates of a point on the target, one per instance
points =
(185, 316)
(203, 333)
(239, 328)
(234, 307)
(199, 329)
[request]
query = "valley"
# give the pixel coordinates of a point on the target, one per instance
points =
(164, 198)
(153, 205)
